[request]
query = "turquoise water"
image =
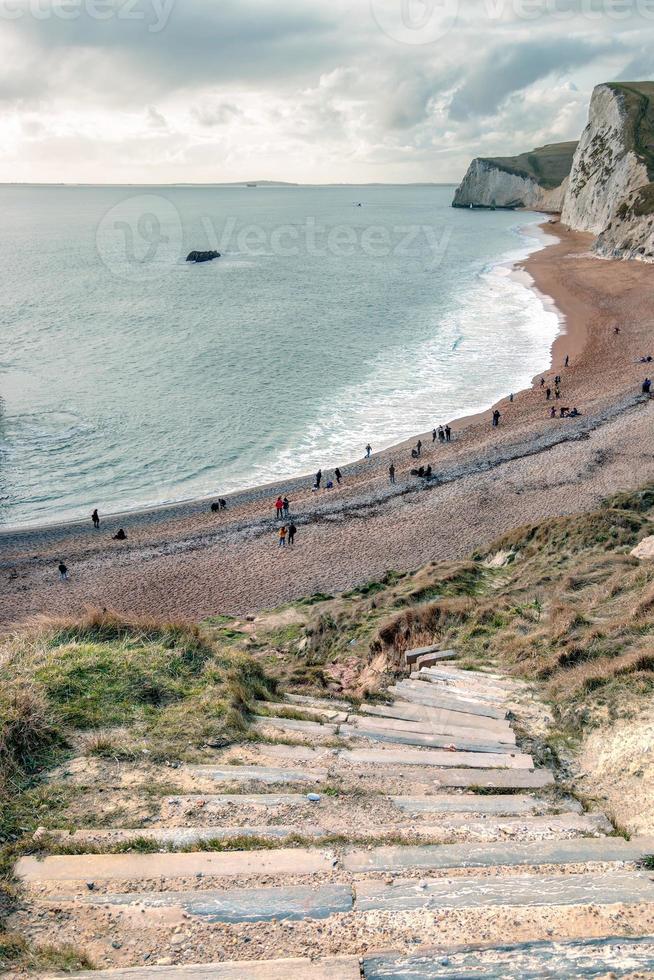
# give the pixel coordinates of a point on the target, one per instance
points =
(130, 377)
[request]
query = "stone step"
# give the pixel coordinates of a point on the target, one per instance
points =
(519, 854)
(607, 888)
(524, 828)
(500, 805)
(472, 677)
(317, 715)
(178, 836)
(430, 659)
(437, 718)
(118, 867)
(310, 702)
(257, 774)
(315, 728)
(459, 692)
(612, 957)
(231, 905)
(267, 800)
(463, 690)
(506, 737)
(426, 740)
(474, 825)
(331, 968)
(447, 703)
(411, 656)
(489, 779)
(436, 757)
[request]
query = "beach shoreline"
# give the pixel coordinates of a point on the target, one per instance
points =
(186, 506)
(177, 550)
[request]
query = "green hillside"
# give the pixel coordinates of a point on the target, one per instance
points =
(548, 165)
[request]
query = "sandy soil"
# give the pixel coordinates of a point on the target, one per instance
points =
(186, 561)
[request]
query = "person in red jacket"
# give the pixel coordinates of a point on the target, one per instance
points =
(279, 507)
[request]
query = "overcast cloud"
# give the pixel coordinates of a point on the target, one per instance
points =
(159, 91)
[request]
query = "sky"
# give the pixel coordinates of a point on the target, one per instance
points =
(318, 91)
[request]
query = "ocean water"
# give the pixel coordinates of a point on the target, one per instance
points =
(335, 316)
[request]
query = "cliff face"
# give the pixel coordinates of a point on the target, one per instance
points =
(535, 180)
(487, 186)
(610, 191)
(603, 185)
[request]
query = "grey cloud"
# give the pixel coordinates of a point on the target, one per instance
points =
(505, 70)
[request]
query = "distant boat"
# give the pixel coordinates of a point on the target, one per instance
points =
(250, 185)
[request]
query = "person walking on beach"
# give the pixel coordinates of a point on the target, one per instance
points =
(95, 517)
(441, 434)
(282, 536)
(287, 506)
(419, 446)
(567, 361)
(63, 572)
(338, 475)
(434, 435)
(542, 382)
(318, 479)
(368, 451)
(292, 531)
(647, 384)
(496, 418)
(391, 473)
(279, 507)
(548, 394)
(511, 397)
(448, 434)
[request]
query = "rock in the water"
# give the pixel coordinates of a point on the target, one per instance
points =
(202, 256)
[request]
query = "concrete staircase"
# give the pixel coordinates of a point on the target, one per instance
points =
(411, 827)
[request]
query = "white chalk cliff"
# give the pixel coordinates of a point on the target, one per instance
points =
(487, 185)
(535, 180)
(602, 185)
(610, 188)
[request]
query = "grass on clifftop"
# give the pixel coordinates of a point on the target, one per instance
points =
(134, 687)
(547, 165)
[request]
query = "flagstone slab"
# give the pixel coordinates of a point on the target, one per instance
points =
(276, 709)
(460, 692)
(431, 659)
(454, 673)
(499, 805)
(426, 740)
(179, 836)
(437, 717)
(117, 867)
(257, 774)
(434, 650)
(446, 702)
(616, 957)
(234, 904)
(331, 968)
(503, 854)
(292, 725)
(436, 757)
(529, 891)
(489, 779)
(311, 702)
(267, 800)
(505, 737)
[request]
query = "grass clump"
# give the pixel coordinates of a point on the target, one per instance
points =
(135, 686)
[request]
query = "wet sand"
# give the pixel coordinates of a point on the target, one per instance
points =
(184, 561)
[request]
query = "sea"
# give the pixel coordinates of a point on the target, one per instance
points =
(335, 316)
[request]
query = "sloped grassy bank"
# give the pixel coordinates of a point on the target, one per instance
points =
(130, 686)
